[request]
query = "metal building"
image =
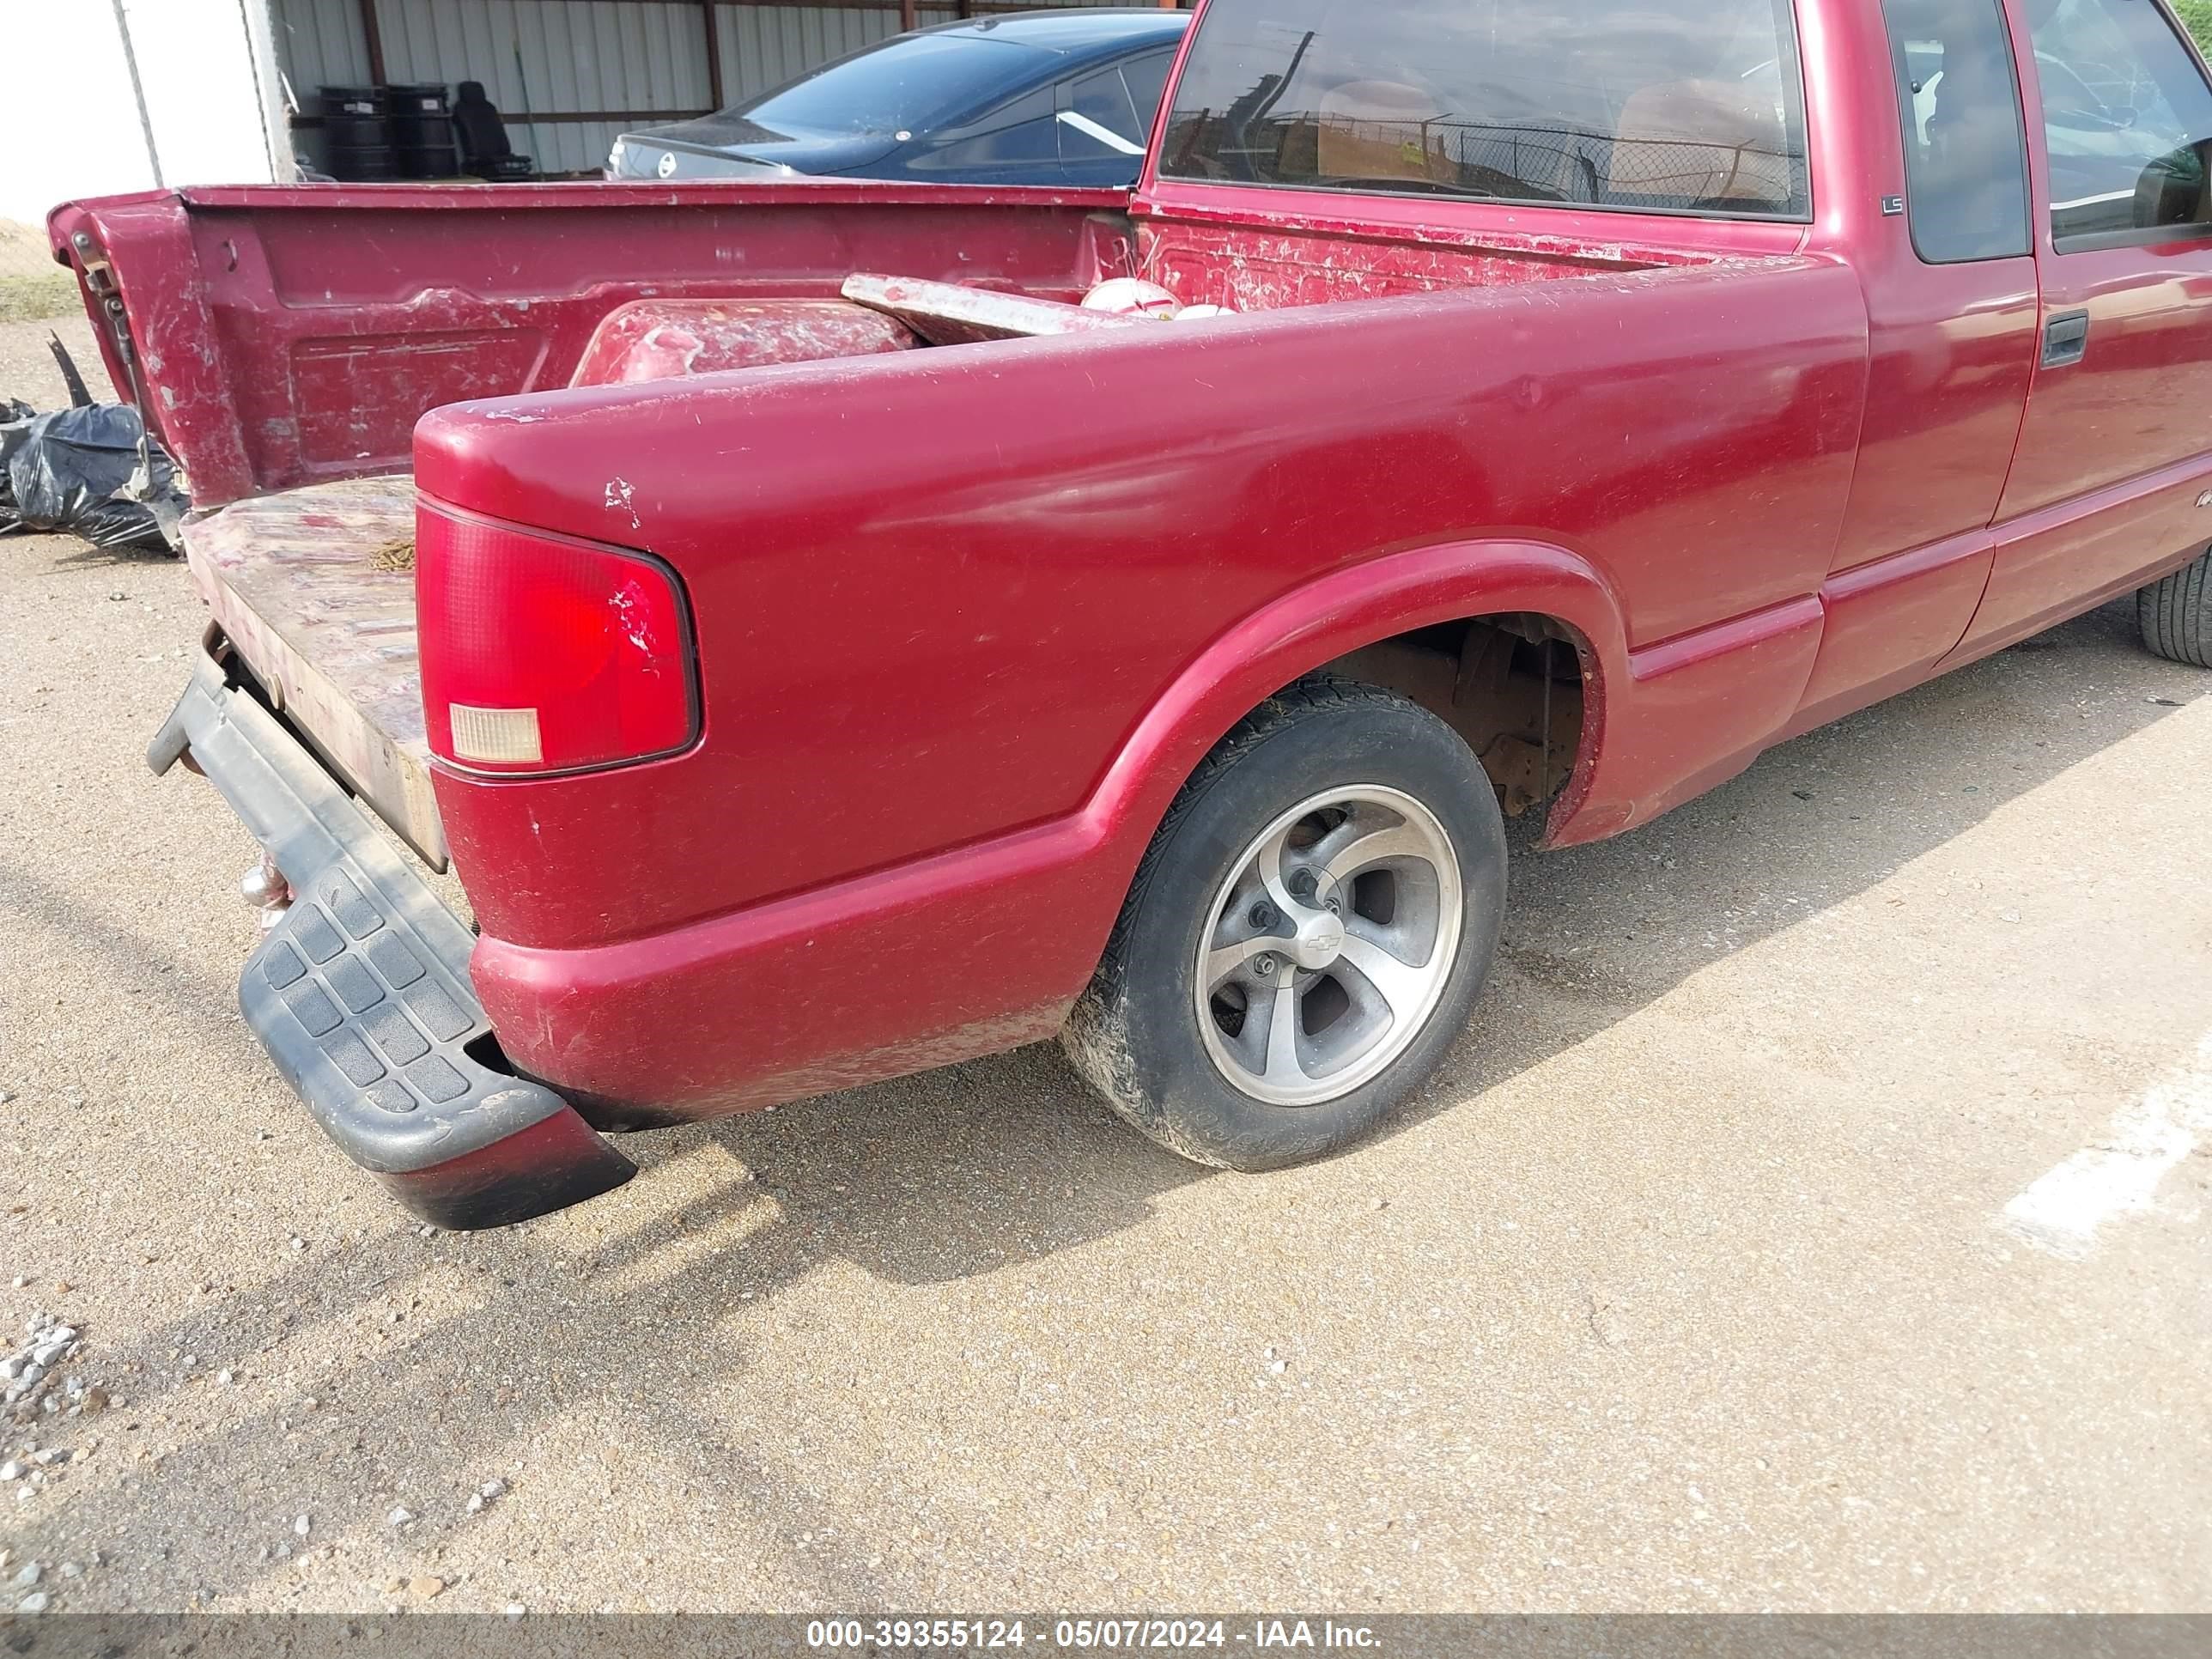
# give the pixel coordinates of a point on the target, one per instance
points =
(104, 96)
(570, 75)
(209, 92)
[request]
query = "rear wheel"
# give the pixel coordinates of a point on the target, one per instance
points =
(2177, 615)
(1306, 935)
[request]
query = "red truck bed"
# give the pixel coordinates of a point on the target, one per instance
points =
(304, 359)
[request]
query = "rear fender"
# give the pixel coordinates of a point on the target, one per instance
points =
(1339, 613)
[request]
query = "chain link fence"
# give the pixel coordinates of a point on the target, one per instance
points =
(1556, 163)
(31, 285)
(1552, 163)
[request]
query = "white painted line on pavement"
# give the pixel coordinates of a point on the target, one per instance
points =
(2120, 1174)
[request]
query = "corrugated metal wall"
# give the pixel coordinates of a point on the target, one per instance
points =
(548, 56)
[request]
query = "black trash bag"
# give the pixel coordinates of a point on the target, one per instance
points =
(93, 471)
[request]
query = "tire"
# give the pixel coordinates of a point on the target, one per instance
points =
(1367, 810)
(2176, 615)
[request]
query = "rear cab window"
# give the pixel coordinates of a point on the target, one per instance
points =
(1679, 106)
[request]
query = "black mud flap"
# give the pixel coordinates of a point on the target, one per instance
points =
(362, 993)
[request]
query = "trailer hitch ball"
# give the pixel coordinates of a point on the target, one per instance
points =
(264, 888)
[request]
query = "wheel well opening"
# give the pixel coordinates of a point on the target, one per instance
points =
(1510, 685)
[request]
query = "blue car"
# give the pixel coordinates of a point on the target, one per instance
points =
(1042, 98)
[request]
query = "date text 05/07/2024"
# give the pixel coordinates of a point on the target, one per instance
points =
(1134, 1635)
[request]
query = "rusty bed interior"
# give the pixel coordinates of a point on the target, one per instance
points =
(315, 589)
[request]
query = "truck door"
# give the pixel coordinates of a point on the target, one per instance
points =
(1944, 252)
(2117, 446)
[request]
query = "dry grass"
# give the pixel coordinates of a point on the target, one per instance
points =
(31, 285)
(33, 299)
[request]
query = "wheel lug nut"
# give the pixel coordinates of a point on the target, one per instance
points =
(1263, 915)
(1264, 967)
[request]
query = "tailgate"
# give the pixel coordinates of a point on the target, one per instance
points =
(315, 589)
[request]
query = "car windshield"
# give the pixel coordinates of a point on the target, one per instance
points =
(913, 83)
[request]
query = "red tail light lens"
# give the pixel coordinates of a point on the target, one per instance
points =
(544, 654)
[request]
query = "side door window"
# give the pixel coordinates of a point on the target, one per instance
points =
(1965, 141)
(1098, 118)
(2126, 119)
(1147, 78)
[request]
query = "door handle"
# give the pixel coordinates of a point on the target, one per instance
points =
(2065, 339)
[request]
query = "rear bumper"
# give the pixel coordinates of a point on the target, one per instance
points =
(362, 994)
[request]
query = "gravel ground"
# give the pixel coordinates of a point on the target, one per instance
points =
(1687, 1286)
(27, 361)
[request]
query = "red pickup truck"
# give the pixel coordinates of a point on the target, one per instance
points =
(826, 649)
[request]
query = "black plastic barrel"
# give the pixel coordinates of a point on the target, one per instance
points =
(357, 134)
(422, 120)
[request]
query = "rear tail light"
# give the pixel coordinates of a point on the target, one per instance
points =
(542, 653)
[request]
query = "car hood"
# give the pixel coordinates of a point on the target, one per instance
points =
(721, 146)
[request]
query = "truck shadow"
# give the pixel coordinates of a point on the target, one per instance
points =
(89, 556)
